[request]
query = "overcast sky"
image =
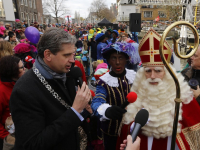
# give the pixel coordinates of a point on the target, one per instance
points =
(82, 6)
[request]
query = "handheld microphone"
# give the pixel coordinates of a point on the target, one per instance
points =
(131, 98)
(76, 73)
(141, 119)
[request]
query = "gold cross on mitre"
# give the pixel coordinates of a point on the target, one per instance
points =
(149, 49)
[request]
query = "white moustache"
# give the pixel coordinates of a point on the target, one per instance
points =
(154, 80)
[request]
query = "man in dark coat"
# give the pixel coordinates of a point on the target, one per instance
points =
(192, 74)
(44, 104)
(93, 45)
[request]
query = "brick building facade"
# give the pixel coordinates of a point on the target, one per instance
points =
(30, 10)
(151, 12)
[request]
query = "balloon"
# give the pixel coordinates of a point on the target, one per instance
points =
(32, 34)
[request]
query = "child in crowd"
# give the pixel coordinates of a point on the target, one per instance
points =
(86, 62)
(93, 80)
(18, 24)
(85, 40)
(79, 43)
(94, 66)
(79, 52)
(101, 70)
(2, 29)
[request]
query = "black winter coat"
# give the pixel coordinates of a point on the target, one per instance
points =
(41, 122)
(79, 44)
(93, 49)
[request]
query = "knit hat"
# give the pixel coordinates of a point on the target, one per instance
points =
(101, 70)
(85, 52)
(79, 50)
(99, 35)
(102, 65)
(130, 49)
(17, 20)
(23, 48)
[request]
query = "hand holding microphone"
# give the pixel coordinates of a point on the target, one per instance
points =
(130, 145)
(141, 119)
(83, 94)
(116, 112)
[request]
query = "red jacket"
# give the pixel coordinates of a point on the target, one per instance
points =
(5, 92)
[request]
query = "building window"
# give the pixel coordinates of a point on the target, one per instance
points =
(148, 14)
(162, 14)
(22, 16)
(22, 2)
(2, 12)
(36, 17)
(30, 3)
(34, 5)
(33, 18)
(25, 2)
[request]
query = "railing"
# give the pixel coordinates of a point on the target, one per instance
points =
(159, 2)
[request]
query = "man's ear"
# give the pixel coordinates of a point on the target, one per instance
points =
(47, 55)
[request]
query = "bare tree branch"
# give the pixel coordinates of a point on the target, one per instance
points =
(56, 8)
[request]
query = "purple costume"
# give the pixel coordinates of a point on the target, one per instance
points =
(111, 91)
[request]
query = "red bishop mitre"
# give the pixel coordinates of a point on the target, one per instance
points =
(149, 49)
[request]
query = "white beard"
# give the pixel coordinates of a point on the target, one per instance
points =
(159, 101)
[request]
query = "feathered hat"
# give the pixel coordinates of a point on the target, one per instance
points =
(130, 49)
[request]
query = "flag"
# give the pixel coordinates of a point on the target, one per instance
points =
(157, 19)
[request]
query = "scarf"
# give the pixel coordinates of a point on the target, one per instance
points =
(55, 75)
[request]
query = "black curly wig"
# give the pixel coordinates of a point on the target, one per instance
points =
(9, 67)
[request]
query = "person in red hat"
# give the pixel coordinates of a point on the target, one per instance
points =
(156, 92)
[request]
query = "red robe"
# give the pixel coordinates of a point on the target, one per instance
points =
(185, 140)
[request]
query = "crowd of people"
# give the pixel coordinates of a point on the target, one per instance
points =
(43, 107)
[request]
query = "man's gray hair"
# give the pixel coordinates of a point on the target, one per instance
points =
(53, 39)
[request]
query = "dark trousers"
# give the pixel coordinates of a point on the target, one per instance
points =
(109, 142)
(1, 144)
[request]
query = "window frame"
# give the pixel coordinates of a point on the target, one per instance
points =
(149, 16)
(165, 14)
(34, 4)
(30, 3)
(22, 15)
(26, 2)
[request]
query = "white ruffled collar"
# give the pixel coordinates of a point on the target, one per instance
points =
(113, 81)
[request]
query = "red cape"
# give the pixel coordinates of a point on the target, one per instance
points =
(188, 139)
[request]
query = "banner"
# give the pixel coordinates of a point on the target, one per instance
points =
(68, 19)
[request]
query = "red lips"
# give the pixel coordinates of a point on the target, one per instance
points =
(118, 69)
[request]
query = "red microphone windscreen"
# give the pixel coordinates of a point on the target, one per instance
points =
(131, 97)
